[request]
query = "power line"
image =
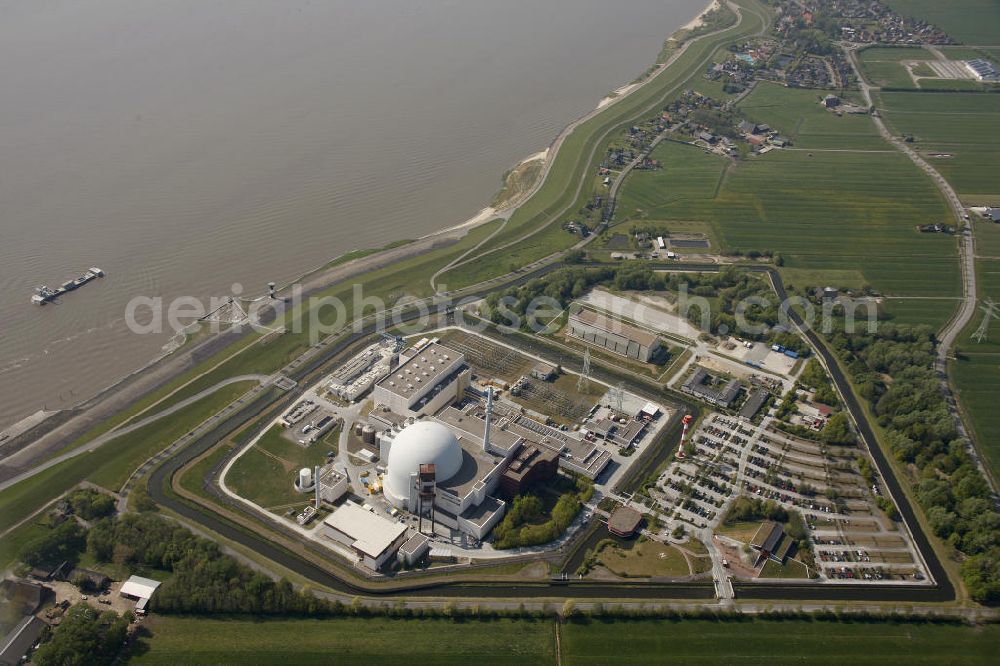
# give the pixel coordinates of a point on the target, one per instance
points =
(990, 312)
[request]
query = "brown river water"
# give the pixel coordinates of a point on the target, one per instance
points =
(187, 145)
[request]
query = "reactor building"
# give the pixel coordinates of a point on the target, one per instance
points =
(451, 451)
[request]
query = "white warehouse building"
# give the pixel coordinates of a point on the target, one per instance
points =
(373, 538)
(430, 376)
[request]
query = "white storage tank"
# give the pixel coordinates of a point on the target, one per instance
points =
(305, 478)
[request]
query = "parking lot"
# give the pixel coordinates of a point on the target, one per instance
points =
(851, 537)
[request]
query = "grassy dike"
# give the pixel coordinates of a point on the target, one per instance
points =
(565, 188)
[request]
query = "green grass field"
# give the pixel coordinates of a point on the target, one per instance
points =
(266, 472)
(962, 125)
(790, 569)
(645, 559)
(689, 174)
(763, 642)
(826, 210)
(977, 377)
(969, 53)
(932, 312)
(882, 65)
(196, 640)
(968, 21)
(976, 373)
(797, 115)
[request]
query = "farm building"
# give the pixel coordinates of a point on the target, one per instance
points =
(983, 70)
(141, 589)
(614, 335)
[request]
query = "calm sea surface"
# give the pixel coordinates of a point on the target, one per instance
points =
(187, 145)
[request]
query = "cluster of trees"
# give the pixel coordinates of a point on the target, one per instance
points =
(523, 524)
(203, 580)
(838, 430)
(562, 286)
(893, 369)
(814, 376)
(725, 291)
(64, 543)
(745, 509)
(85, 637)
(90, 504)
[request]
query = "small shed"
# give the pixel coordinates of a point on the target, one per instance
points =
(543, 371)
(140, 589)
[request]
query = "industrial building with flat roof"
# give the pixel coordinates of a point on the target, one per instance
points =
(614, 335)
(703, 385)
(430, 376)
(624, 521)
(375, 539)
(414, 548)
(466, 469)
(532, 465)
(753, 404)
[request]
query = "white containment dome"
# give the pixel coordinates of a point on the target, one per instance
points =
(422, 443)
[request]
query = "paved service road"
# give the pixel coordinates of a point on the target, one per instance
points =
(967, 259)
(89, 447)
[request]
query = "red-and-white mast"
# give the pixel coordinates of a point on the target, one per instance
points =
(686, 421)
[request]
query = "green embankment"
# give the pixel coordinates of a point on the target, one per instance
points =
(112, 463)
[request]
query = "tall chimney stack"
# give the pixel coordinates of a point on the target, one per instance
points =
(489, 418)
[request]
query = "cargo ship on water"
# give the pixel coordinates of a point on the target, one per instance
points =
(44, 294)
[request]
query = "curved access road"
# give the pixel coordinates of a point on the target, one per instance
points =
(132, 427)
(967, 261)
